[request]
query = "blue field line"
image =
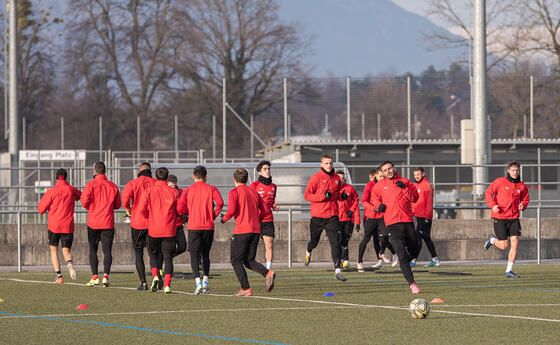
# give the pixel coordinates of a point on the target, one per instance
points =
(143, 329)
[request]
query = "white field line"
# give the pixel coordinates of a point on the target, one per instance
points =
(322, 302)
(175, 311)
(494, 305)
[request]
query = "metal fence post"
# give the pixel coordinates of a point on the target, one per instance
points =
(290, 238)
(539, 234)
(19, 241)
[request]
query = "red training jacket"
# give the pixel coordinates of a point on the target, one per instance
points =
(507, 195)
(424, 207)
(248, 209)
(398, 201)
(159, 204)
(60, 201)
(131, 194)
(101, 197)
(197, 202)
(367, 201)
(268, 194)
(317, 185)
(351, 204)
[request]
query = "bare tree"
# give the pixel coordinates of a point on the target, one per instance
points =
(128, 43)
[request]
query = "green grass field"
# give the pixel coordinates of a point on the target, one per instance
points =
(481, 306)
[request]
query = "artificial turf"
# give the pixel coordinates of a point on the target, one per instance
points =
(369, 308)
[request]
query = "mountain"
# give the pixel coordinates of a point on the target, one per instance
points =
(360, 37)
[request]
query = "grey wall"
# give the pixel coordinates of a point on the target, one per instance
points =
(455, 239)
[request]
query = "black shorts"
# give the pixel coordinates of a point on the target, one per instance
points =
(505, 228)
(267, 229)
(65, 239)
(138, 237)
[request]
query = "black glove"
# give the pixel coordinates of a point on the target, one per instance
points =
(344, 196)
(358, 228)
(349, 214)
(222, 219)
(185, 219)
(328, 194)
(400, 184)
(381, 208)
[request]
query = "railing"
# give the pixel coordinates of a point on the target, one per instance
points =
(289, 212)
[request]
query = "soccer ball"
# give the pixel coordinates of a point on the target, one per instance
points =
(419, 308)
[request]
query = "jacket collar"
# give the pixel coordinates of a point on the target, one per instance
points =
(100, 177)
(512, 180)
(327, 173)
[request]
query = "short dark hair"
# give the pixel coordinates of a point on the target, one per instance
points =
(99, 167)
(161, 174)
(199, 172)
(514, 163)
(326, 156)
(420, 169)
(373, 171)
(145, 166)
(61, 172)
(261, 164)
(172, 178)
(385, 163)
(340, 172)
(241, 175)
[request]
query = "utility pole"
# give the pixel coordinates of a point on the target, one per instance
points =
(480, 121)
(13, 142)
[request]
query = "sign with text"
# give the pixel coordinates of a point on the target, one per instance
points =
(51, 155)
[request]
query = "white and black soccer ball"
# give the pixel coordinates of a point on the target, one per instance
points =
(419, 308)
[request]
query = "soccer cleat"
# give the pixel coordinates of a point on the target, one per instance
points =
(143, 286)
(105, 282)
(414, 288)
(59, 280)
(160, 284)
(395, 260)
(339, 276)
(72, 271)
(270, 280)
(93, 282)
(412, 263)
(432, 264)
(198, 289)
(488, 242)
(205, 287)
(345, 264)
(167, 289)
(386, 258)
(378, 264)
(360, 267)
(244, 293)
(510, 274)
(307, 259)
(155, 284)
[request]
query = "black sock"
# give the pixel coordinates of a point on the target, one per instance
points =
(58, 274)
(69, 261)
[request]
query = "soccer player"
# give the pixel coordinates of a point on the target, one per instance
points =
(323, 191)
(374, 227)
(348, 215)
(160, 205)
(101, 198)
(202, 203)
(423, 211)
(248, 209)
(180, 238)
(267, 191)
(60, 202)
(393, 196)
(131, 195)
(507, 196)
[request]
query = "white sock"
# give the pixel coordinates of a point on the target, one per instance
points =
(197, 280)
(205, 279)
(337, 270)
(307, 253)
(268, 265)
(413, 260)
(492, 240)
(435, 259)
(509, 266)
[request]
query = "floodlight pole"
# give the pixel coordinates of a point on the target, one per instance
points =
(13, 142)
(224, 110)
